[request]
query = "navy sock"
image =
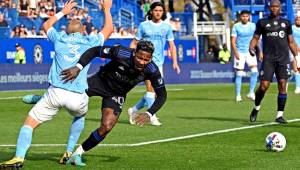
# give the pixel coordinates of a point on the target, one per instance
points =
(93, 140)
(259, 95)
(281, 100)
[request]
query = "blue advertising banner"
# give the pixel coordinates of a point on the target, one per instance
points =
(42, 51)
(35, 76)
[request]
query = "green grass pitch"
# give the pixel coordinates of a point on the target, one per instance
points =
(190, 109)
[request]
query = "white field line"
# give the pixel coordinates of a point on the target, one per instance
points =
(135, 91)
(10, 98)
(168, 139)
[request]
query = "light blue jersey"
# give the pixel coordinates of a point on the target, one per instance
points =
(158, 34)
(68, 49)
(243, 34)
(296, 34)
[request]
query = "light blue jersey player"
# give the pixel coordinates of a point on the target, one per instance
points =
(158, 32)
(296, 63)
(69, 95)
(241, 35)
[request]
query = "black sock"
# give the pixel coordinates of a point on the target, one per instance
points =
(93, 140)
(281, 100)
(259, 95)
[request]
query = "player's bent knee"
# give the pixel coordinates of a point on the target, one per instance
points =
(240, 73)
(31, 122)
(254, 69)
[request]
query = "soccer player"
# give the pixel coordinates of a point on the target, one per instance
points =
(241, 35)
(68, 49)
(127, 68)
(296, 66)
(277, 37)
(156, 30)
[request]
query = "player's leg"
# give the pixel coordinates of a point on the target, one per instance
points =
(282, 74)
(252, 63)
(296, 68)
(266, 76)
(77, 106)
(111, 109)
(150, 98)
(41, 112)
(239, 65)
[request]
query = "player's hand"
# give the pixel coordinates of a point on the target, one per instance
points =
(237, 56)
(252, 52)
(69, 5)
(70, 74)
(105, 4)
(176, 68)
(261, 57)
(141, 119)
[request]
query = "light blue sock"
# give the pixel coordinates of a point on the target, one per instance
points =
(24, 141)
(238, 85)
(75, 131)
(150, 98)
(253, 81)
(297, 79)
(140, 104)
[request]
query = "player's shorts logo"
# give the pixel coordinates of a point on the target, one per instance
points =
(261, 72)
(38, 54)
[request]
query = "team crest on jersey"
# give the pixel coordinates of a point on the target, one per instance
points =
(283, 25)
(275, 23)
(163, 31)
(268, 25)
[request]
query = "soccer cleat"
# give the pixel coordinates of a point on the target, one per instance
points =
(14, 163)
(251, 96)
(132, 115)
(297, 90)
(65, 158)
(154, 121)
(253, 115)
(31, 99)
(75, 160)
(238, 98)
(280, 120)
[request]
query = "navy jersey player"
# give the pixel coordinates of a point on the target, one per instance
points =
(68, 48)
(277, 40)
(112, 82)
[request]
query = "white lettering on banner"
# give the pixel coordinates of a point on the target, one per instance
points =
(29, 78)
(52, 54)
(200, 74)
(10, 54)
(189, 52)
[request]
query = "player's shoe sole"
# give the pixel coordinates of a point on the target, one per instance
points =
(15, 163)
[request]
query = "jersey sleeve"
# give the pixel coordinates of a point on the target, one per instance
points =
(139, 34)
(52, 34)
(234, 31)
(170, 36)
(96, 39)
(259, 28)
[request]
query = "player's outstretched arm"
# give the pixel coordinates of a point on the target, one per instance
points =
(65, 11)
(174, 56)
(108, 27)
(70, 74)
(160, 100)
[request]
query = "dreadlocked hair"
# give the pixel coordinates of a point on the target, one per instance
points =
(145, 46)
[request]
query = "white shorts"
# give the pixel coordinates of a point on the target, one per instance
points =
(57, 98)
(245, 58)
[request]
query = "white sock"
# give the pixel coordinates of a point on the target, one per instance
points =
(279, 114)
(257, 107)
(79, 151)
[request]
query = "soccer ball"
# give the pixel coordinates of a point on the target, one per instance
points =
(275, 141)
